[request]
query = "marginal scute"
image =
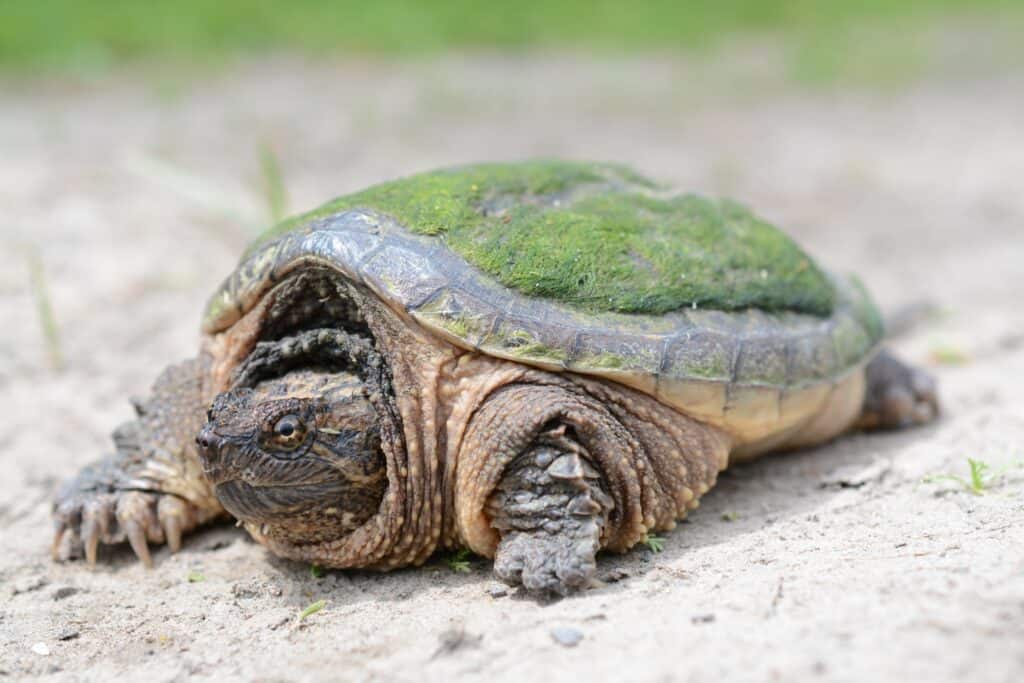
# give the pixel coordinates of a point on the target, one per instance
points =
(701, 354)
(796, 404)
(404, 274)
(761, 361)
(521, 339)
(812, 357)
(700, 399)
(851, 340)
(457, 314)
(752, 411)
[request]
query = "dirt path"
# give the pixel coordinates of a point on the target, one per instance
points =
(836, 564)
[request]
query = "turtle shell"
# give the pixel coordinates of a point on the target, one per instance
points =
(587, 268)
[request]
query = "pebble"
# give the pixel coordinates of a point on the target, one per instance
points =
(564, 635)
(497, 591)
(41, 649)
(67, 634)
(65, 592)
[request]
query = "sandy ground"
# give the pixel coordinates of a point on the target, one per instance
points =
(137, 194)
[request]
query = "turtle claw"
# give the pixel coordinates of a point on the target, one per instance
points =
(92, 511)
(137, 539)
(172, 531)
(60, 527)
(174, 514)
(96, 518)
(92, 544)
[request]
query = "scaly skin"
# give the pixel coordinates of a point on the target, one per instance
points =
(898, 395)
(151, 489)
(550, 509)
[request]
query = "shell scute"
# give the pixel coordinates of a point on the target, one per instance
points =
(462, 317)
(410, 276)
(632, 359)
(761, 361)
(812, 357)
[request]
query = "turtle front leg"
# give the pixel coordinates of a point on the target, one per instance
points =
(898, 395)
(550, 510)
(152, 489)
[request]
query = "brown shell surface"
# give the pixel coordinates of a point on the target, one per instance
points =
(750, 371)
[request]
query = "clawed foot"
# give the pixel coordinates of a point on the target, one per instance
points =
(550, 510)
(545, 563)
(898, 395)
(93, 508)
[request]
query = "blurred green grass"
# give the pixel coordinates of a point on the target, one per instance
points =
(95, 34)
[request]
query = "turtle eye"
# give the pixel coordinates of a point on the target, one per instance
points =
(289, 432)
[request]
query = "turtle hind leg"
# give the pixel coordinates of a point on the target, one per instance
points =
(897, 395)
(151, 489)
(550, 511)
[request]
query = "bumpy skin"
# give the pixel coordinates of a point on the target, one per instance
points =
(550, 509)
(151, 489)
(898, 395)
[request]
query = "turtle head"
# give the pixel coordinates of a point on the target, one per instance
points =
(298, 456)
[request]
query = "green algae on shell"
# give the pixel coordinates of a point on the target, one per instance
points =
(598, 237)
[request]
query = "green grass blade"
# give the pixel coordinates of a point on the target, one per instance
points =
(273, 184)
(44, 307)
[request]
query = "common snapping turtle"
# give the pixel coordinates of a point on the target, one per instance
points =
(535, 361)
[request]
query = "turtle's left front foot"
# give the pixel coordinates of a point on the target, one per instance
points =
(550, 511)
(898, 395)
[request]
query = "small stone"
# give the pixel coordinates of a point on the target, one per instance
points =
(567, 636)
(497, 591)
(65, 592)
(454, 639)
(702, 618)
(67, 634)
(616, 575)
(41, 649)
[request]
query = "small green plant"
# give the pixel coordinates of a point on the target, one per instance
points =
(949, 355)
(730, 516)
(982, 476)
(273, 184)
(654, 543)
(195, 576)
(47, 319)
(312, 609)
(458, 561)
(316, 571)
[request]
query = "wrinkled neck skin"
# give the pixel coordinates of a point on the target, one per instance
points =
(450, 421)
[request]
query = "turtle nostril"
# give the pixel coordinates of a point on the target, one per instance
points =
(207, 441)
